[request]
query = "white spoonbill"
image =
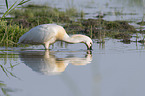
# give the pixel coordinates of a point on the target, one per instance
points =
(47, 34)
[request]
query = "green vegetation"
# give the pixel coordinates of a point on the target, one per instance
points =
(141, 23)
(9, 34)
(7, 70)
(15, 5)
(29, 16)
(4, 89)
(100, 27)
(33, 15)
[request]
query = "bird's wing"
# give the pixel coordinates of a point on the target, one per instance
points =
(38, 35)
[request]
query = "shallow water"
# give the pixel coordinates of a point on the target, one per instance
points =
(113, 69)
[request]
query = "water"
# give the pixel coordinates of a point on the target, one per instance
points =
(130, 10)
(112, 69)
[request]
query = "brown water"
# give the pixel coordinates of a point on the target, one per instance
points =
(113, 69)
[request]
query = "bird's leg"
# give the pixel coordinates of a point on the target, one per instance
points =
(46, 54)
(46, 45)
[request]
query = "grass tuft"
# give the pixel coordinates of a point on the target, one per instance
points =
(10, 34)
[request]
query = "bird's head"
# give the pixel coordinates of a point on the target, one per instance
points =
(88, 43)
(87, 40)
(79, 38)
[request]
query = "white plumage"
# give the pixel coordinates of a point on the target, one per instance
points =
(47, 34)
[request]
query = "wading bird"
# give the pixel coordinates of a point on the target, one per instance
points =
(47, 34)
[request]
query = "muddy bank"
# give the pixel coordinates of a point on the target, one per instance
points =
(95, 27)
(100, 29)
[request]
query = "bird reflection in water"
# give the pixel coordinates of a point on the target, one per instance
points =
(46, 62)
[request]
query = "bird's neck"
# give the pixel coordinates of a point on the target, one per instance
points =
(71, 39)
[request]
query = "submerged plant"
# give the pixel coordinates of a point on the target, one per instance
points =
(4, 90)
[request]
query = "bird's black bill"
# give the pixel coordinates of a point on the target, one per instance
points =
(90, 48)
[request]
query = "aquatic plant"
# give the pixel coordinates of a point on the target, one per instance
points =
(12, 7)
(41, 14)
(29, 16)
(4, 90)
(9, 34)
(99, 28)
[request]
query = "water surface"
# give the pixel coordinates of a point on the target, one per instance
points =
(129, 10)
(112, 69)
